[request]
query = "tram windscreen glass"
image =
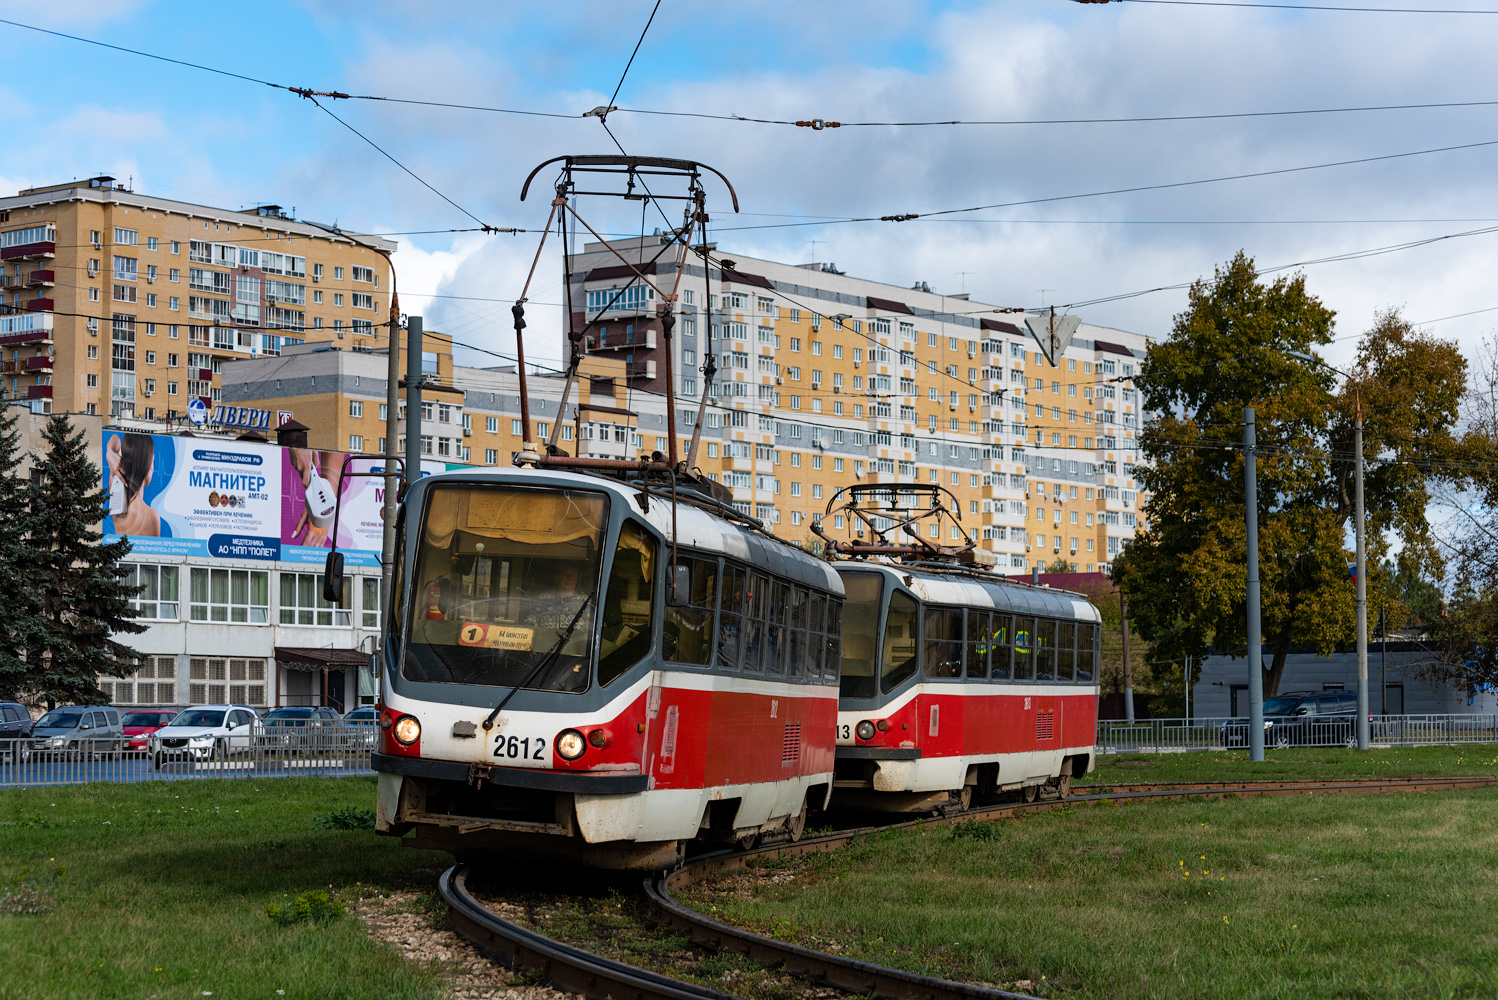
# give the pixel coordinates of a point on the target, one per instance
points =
(901, 653)
(860, 634)
(502, 578)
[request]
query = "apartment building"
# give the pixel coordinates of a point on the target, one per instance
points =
(128, 305)
(825, 380)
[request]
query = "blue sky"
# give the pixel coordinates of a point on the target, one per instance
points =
(74, 110)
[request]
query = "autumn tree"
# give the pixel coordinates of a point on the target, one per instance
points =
(1232, 348)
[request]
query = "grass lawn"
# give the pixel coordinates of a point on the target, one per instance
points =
(1313, 763)
(159, 890)
(1335, 896)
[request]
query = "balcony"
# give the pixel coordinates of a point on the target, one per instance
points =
(13, 281)
(39, 305)
(640, 369)
(25, 328)
(204, 375)
(616, 340)
(42, 278)
(41, 364)
(38, 392)
(26, 250)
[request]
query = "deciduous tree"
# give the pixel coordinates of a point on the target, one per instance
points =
(1231, 348)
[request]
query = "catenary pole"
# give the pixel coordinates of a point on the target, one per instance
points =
(1128, 667)
(1357, 447)
(1255, 645)
(414, 378)
(392, 451)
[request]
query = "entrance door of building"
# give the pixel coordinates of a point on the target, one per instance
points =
(1239, 695)
(1393, 699)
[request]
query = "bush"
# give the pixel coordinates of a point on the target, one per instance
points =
(315, 907)
(346, 819)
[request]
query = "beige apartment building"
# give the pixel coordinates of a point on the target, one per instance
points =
(128, 305)
(825, 380)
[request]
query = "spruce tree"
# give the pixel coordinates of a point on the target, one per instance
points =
(18, 598)
(84, 600)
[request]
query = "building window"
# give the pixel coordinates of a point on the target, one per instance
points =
(356, 442)
(229, 595)
(220, 681)
(302, 602)
(158, 596)
(127, 237)
(337, 274)
(491, 424)
(516, 428)
(491, 456)
(356, 408)
(369, 602)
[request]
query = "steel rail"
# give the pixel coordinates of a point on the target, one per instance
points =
(575, 970)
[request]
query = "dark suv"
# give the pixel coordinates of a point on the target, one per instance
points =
(303, 726)
(15, 721)
(1301, 719)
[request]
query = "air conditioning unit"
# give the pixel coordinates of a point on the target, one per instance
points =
(779, 380)
(837, 388)
(858, 364)
(468, 432)
(150, 279)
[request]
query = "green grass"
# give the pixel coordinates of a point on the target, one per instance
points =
(160, 890)
(1314, 763)
(1333, 896)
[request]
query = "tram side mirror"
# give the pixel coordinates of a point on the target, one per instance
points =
(332, 578)
(679, 586)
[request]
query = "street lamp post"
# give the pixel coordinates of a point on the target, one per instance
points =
(1362, 565)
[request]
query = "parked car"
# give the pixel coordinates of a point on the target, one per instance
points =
(1301, 718)
(206, 732)
(77, 732)
(15, 721)
(301, 726)
(363, 723)
(140, 723)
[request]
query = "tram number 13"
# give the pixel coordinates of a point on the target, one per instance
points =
(518, 747)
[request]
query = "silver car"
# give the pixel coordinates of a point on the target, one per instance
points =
(76, 732)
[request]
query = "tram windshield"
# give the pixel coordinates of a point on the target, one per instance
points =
(860, 634)
(505, 587)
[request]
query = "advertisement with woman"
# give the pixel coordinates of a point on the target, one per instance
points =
(319, 489)
(191, 496)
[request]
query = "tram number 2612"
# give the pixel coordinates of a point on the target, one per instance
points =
(520, 747)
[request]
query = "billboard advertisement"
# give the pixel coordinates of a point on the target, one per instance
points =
(176, 496)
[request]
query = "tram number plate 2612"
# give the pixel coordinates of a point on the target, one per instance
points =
(520, 747)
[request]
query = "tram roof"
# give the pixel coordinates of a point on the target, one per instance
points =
(696, 527)
(977, 589)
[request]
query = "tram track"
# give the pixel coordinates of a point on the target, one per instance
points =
(573, 969)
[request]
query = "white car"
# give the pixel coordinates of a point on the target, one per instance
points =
(207, 732)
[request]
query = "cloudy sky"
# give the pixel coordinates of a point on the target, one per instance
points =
(74, 110)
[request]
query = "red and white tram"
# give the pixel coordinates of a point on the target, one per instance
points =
(561, 678)
(957, 684)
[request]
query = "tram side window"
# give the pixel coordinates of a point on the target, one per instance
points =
(943, 636)
(902, 651)
(1000, 640)
(816, 638)
(977, 644)
(1045, 650)
(1086, 653)
(860, 640)
(754, 622)
(688, 635)
(1066, 654)
(775, 651)
(731, 616)
(832, 660)
(796, 643)
(627, 633)
(1024, 649)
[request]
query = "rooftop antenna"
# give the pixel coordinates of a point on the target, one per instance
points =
(963, 275)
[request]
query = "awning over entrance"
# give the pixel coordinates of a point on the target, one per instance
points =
(312, 658)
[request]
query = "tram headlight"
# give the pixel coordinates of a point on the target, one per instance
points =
(407, 730)
(598, 738)
(882, 724)
(865, 730)
(570, 744)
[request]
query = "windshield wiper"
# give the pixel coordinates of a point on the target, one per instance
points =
(545, 662)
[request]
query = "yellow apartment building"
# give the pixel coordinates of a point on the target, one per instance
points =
(128, 305)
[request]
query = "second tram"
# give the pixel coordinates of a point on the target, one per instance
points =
(958, 685)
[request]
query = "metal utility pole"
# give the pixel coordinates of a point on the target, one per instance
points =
(392, 452)
(1357, 447)
(1128, 667)
(1255, 642)
(414, 378)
